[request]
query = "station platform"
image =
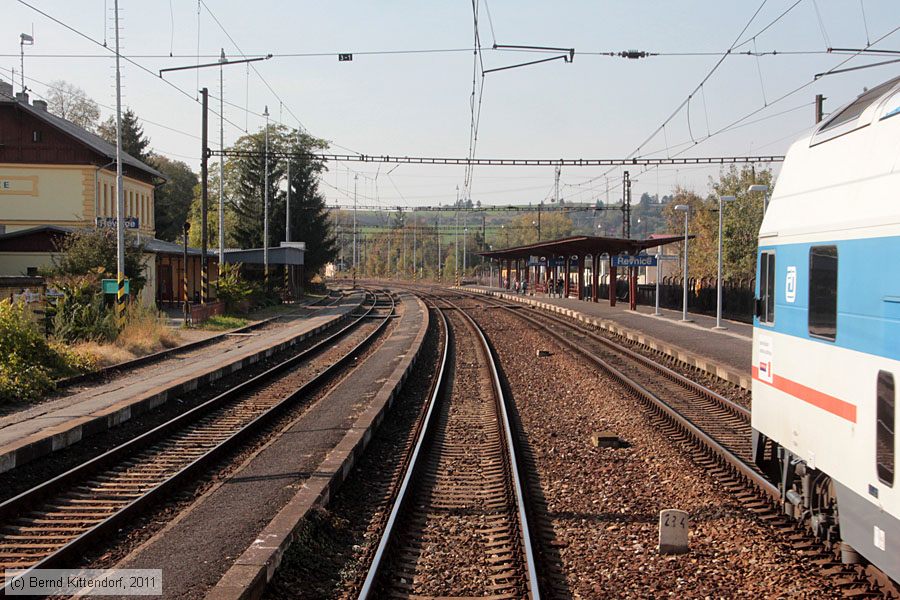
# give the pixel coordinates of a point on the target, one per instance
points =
(57, 423)
(228, 543)
(724, 353)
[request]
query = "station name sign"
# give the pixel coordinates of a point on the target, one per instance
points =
(110, 223)
(641, 260)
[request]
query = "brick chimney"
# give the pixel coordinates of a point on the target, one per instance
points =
(40, 104)
(6, 89)
(22, 97)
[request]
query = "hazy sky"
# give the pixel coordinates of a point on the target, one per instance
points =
(417, 104)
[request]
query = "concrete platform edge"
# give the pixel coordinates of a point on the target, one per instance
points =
(248, 576)
(688, 358)
(59, 437)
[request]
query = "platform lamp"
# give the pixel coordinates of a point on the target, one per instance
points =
(761, 187)
(686, 209)
(722, 201)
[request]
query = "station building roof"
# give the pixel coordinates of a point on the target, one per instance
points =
(582, 245)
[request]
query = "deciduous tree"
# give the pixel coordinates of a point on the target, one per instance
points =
(72, 103)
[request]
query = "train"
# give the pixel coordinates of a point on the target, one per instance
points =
(826, 330)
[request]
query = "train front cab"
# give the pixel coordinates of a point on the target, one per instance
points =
(824, 391)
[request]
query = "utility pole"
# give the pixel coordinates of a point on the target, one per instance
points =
(626, 207)
(820, 100)
(222, 61)
(540, 207)
(556, 185)
(266, 204)
(204, 197)
(415, 244)
(355, 261)
(440, 273)
(456, 251)
(465, 231)
(120, 192)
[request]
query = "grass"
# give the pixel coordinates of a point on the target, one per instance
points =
(223, 323)
(145, 332)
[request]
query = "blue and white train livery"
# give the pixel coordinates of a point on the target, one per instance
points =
(826, 337)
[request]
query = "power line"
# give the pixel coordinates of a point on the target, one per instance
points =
(106, 106)
(124, 57)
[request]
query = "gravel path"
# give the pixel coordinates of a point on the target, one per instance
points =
(603, 503)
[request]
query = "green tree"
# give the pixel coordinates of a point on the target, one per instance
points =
(523, 229)
(245, 183)
(93, 251)
(703, 225)
(309, 215)
(72, 103)
(134, 142)
(741, 219)
(172, 200)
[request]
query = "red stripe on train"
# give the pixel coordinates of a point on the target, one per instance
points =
(835, 406)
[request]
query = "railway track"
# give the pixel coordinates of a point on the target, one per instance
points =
(54, 523)
(716, 428)
(458, 526)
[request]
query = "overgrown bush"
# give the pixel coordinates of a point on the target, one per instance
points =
(81, 314)
(29, 364)
(145, 331)
(233, 289)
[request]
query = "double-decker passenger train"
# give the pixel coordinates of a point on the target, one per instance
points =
(826, 337)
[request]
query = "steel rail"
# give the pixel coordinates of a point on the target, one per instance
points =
(401, 498)
(731, 405)
(74, 547)
(402, 501)
(684, 423)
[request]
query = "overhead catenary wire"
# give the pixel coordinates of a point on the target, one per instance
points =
(124, 57)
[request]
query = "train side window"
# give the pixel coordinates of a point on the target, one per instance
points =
(766, 309)
(823, 280)
(885, 427)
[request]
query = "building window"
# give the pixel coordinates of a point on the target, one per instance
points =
(885, 426)
(37, 136)
(31, 271)
(766, 308)
(823, 280)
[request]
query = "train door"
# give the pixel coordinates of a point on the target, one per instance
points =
(765, 301)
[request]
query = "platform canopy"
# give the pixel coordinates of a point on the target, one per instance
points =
(582, 245)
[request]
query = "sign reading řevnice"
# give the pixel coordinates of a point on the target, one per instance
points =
(18, 185)
(110, 223)
(641, 260)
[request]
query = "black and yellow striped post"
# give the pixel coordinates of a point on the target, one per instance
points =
(120, 300)
(204, 200)
(184, 277)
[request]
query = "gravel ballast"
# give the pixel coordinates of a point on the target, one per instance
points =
(603, 503)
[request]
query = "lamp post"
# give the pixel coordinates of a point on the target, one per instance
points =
(761, 187)
(658, 265)
(465, 248)
(686, 209)
(722, 201)
(266, 203)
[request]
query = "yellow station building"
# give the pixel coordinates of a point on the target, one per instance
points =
(56, 177)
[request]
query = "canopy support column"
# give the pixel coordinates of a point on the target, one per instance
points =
(580, 293)
(612, 283)
(595, 277)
